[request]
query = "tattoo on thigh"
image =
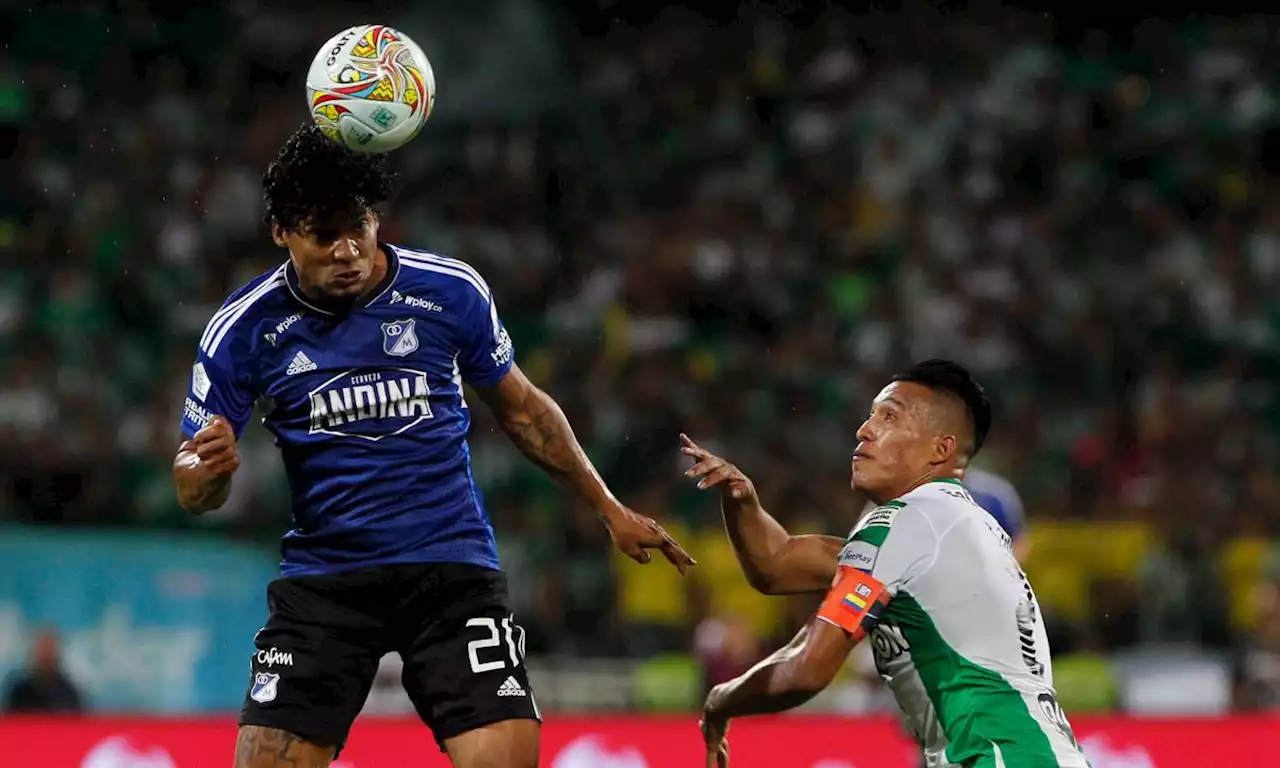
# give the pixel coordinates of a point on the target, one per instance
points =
(261, 747)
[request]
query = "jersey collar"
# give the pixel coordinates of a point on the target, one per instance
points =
(393, 272)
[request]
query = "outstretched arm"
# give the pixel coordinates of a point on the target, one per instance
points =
(774, 561)
(538, 427)
(789, 677)
(799, 671)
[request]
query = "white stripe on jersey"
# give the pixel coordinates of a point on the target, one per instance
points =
(430, 258)
(226, 321)
(226, 310)
(476, 283)
(456, 378)
(428, 267)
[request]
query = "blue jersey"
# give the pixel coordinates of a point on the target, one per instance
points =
(367, 409)
(998, 496)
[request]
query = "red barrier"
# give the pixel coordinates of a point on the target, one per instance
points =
(626, 742)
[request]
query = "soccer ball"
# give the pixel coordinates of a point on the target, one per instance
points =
(370, 88)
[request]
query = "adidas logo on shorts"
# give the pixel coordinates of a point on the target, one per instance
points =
(511, 688)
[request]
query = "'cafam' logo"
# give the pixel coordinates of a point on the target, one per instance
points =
(273, 656)
(370, 405)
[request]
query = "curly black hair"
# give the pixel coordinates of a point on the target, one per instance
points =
(315, 179)
(953, 378)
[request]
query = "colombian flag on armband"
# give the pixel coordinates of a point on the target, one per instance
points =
(854, 602)
(857, 599)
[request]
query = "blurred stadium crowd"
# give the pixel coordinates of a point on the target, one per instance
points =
(735, 231)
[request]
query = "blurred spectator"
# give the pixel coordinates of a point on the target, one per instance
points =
(44, 687)
(1184, 591)
(1084, 679)
(583, 608)
(657, 603)
(1258, 675)
(726, 646)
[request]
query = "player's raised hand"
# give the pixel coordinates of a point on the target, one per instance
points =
(715, 472)
(634, 534)
(215, 446)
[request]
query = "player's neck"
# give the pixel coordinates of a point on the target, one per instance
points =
(949, 475)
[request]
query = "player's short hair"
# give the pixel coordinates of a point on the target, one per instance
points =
(953, 378)
(315, 179)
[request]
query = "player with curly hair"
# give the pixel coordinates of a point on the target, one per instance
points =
(362, 348)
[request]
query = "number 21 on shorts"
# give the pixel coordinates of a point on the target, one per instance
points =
(495, 636)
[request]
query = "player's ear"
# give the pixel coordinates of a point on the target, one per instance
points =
(277, 234)
(945, 447)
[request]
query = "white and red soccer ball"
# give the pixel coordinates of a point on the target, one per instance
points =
(370, 88)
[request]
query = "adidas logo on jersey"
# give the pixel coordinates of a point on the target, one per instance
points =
(300, 364)
(511, 688)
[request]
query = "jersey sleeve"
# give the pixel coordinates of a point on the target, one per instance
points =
(889, 547)
(217, 387)
(486, 353)
(894, 543)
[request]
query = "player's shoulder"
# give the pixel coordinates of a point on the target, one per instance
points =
(273, 277)
(930, 505)
(261, 294)
(877, 521)
(940, 500)
(425, 270)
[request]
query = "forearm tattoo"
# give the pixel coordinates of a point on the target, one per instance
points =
(542, 433)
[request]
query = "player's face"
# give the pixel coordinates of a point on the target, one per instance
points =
(333, 259)
(896, 444)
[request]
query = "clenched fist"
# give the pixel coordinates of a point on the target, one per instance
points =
(215, 446)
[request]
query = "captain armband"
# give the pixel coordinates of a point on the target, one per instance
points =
(855, 602)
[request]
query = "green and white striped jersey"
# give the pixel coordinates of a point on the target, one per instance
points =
(962, 644)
